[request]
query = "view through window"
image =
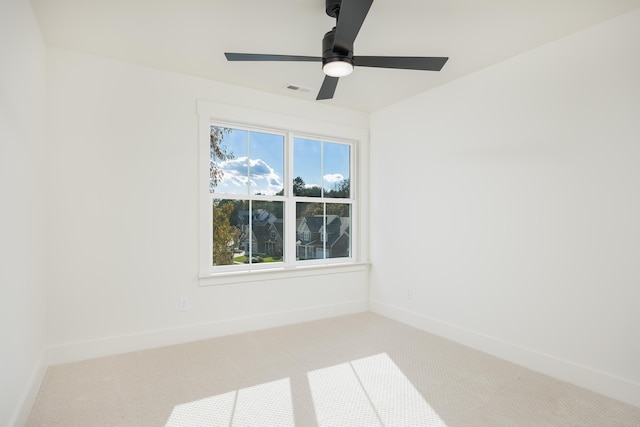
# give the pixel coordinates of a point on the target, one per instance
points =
(278, 198)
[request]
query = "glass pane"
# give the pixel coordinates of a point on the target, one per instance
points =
(267, 232)
(218, 153)
(336, 177)
(338, 230)
(307, 167)
(267, 163)
(227, 226)
(241, 219)
(229, 161)
(309, 231)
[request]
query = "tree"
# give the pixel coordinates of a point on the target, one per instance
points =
(225, 235)
(217, 152)
(309, 209)
(298, 186)
(340, 189)
(339, 209)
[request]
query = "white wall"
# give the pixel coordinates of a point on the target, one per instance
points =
(509, 203)
(123, 212)
(22, 292)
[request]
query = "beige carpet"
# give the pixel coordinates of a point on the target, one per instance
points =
(358, 370)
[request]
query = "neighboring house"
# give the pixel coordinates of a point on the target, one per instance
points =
(314, 241)
(273, 243)
(246, 235)
(265, 233)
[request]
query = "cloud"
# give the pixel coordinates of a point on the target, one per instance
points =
(333, 177)
(264, 179)
(235, 166)
(260, 168)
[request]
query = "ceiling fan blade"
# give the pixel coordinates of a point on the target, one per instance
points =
(350, 19)
(402, 62)
(265, 57)
(328, 88)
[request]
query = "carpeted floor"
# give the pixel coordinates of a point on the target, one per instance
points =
(357, 370)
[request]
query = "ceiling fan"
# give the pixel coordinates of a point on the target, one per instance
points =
(337, 49)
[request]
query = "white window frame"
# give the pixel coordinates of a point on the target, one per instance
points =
(211, 113)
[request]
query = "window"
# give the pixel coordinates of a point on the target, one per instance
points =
(251, 192)
(322, 189)
(246, 181)
(277, 194)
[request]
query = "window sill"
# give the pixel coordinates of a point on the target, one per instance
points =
(227, 278)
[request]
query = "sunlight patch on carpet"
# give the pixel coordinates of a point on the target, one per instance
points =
(371, 391)
(267, 404)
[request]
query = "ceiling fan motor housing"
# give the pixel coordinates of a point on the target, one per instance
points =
(328, 53)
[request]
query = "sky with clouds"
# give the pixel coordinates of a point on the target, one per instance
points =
(258, 163)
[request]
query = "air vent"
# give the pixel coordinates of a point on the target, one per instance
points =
(298, 88)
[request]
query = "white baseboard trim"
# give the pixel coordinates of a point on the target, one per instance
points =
(28, 398)
(588, 378)
(73, 352)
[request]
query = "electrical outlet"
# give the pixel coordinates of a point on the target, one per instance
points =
(184, 304)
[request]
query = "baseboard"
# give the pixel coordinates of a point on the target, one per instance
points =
(28, 398)
(77, 351)
(599, 382)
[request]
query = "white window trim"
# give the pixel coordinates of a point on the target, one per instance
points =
(209, 112)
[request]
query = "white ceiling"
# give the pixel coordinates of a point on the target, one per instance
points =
(190, 37)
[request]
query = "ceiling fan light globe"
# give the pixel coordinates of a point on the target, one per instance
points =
(337, 68)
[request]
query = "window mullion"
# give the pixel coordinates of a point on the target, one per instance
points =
(290, 206)
(324, 229)
(249, 163)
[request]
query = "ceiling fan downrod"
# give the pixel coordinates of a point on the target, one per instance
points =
(333, 8)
